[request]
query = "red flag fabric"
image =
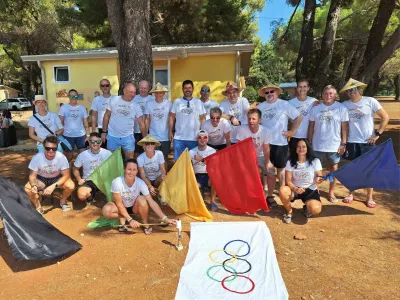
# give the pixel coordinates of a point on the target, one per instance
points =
(234, 174)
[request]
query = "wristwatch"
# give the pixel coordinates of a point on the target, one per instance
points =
(377, 133)
(56, 185)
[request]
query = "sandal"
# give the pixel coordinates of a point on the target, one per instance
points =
(65, 207)
(271, 201)
(147, 230)
(122, 228)
(371, 204)
(348, 199)
(40, 210)
(287, 218)
(306, 213)
(333, 199)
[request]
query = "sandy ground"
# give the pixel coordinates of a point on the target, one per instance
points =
(351, 251)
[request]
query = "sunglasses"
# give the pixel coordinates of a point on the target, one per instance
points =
(352, 90)
(104, 85)
(215, 118)
(98, 142)
(50, 149)
(202, 137)
(269, 92)
(150, 144)
(74, 97)
(205, 90)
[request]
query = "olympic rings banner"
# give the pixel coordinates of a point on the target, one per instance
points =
(231, 260)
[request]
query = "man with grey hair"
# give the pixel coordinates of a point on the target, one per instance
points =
(119, 120)
(141, 99)
(218, 128)
(328, 130)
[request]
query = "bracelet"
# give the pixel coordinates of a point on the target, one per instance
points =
(164, 219)
(377, 133)
(104, 132)
(343, 144)
(129, 220)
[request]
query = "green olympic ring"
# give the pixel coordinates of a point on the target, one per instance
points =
(215, 266)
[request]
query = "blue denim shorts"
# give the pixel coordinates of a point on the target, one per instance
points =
(333, 157)
(127, 143)
(180, 146)
(79, 142)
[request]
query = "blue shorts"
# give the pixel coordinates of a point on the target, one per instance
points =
(126, 143)
(333, 157)
(79, 142)
(202, 179)
(180, 146)
(40, 148)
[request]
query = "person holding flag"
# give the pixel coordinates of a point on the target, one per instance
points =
(362, 135)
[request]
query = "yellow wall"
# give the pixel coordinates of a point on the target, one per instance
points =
(213, 70)
(11, 93)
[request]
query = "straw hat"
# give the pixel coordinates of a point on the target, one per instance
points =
(231, 86)
(159, 88)
(39, 98)
(352, 83)
(149, 139)
(269, 86)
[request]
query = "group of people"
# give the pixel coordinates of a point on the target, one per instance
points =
(291, 139)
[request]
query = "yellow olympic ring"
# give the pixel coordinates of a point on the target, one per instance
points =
(232, 260)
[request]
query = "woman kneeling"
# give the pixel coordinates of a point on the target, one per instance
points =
(301, 171)
(126, 192)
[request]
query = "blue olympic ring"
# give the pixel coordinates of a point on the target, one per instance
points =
(237, 241)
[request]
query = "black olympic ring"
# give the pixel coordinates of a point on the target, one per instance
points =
(237, 241)
(223, 265)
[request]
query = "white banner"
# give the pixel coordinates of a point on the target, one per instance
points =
(231, 260)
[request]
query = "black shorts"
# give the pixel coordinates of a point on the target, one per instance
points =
(217, 147)
(48, 181)
(307, 195)
(202, 179)
(94, 189)
(130, 210)
(279, 156)
(103, 145)
(138, 137)
(354, 150)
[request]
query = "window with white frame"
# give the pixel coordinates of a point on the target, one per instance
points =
(61, 74)
(160, 74)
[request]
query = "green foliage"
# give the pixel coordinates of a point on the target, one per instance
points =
(251, 94)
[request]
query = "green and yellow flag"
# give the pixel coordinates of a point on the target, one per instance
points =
(180, 190)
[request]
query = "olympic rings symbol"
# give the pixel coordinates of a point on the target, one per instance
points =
(233, 258)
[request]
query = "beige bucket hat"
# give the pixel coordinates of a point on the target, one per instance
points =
(39, 98)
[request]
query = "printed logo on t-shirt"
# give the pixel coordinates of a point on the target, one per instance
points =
(257, 142)
(49, 171)
(304, 110)
(301, 175)
(158, 113)
(186, 110)
(325, 116)
(269, 114)
(215, 135)
(127, 197)
(235, 111)
(355, 114)
(104, 106)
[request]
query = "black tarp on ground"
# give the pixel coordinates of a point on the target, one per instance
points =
(29, 235)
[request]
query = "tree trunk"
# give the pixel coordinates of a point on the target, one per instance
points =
(327, 45)
(307, 38)
(346, 65)
(130, 26)
(397, 87)
(358, 61)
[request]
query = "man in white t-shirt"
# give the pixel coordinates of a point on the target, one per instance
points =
(207, 102)
(74, 118)
(189, 114)
(141, 99)
(89, 160)
(328, 131)
(261, 137)
(276, 114)
(234, 108)
(197, 155)
(118, 121)
(49, 170)
(37, 131)
(157, 115)
(362, 132)
(303, 103)
(219, 130)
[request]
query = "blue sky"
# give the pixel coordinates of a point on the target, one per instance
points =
(274, 10)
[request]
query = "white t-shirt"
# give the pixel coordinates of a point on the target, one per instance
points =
(141, 101)
(51, 120)
(304, 108)
(361, 118)
(151, 165)
(208, 105)
(91, 161)
(99, 104)
(159, 116)
(328, 126)
(198, 166)
(238, 110)
(260, 138)
(123, 115)
(275, 117)
(49, 168)
(304, 174)
(187, 118)
(73, 120)
(216, 135)
(129, 193)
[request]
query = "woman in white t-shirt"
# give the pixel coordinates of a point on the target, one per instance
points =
(301, 174)
(151, 164)
(131, 197)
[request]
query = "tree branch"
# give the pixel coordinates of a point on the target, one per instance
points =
(290, 22)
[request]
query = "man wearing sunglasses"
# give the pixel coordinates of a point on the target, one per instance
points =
(219, 130)
(49, 170)
(74, 118)
(89, 160)
(189, 114)
(197, 155)
(362, 132)
(207, 102)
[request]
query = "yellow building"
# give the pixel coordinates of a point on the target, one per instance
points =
(8, 92)
(214, 64)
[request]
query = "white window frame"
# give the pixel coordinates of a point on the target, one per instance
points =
(163, 68)
(54, 74)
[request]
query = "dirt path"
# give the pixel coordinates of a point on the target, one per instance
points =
(351, 252)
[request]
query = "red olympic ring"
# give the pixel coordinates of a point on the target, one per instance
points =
(252, 283)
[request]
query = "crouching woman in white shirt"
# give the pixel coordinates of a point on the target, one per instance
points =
(131, 196)
(301, 174)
